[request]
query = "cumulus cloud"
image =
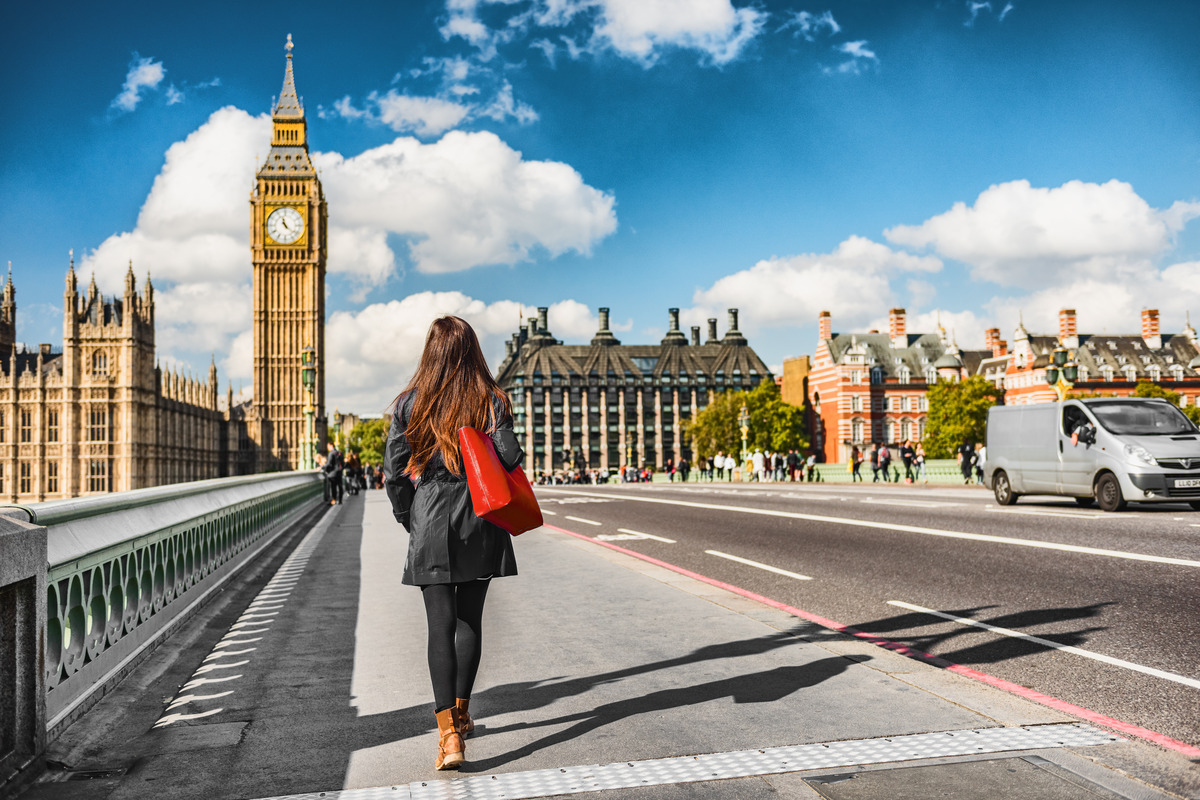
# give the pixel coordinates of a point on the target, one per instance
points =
(145, 74)
(853, 282)
(462, 202)
(467, 200)
(1019, 235)
(373, 352)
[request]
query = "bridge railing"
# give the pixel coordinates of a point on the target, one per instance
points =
(125, 569)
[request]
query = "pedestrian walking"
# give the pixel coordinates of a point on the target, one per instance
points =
(907, 454)
(810, 466)
(919, 461)
(980, 458)
(966, 460)
(334, 465)
(856, 460)
(885, 462)
(875, 462)
(759, 462)
(452, 553)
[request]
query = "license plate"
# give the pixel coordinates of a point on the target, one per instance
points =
(1187, 483)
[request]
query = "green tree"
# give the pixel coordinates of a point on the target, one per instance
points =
(958, 412)
(369, 438)
(774, 425)
(1149, 389)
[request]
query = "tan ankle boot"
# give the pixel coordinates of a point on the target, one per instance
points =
(451, 752)
(467, 724)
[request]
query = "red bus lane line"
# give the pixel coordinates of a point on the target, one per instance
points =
(1021, 691)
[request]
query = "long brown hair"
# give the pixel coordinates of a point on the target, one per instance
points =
(452, 388)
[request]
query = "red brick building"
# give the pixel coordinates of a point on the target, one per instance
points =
(870, 386)
(1108, 363)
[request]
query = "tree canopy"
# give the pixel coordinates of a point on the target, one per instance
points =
(957, 412)
(368, 439)
(774, 425)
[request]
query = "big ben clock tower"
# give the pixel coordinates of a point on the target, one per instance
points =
(288, 244)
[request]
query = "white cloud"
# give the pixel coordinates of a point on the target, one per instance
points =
(464, 201)
(809, 26)
(1019, 235)
(640, 30)
(975, 8)
(425, 116)
(861, 57)
(433, 115)
(144, 74)
(853, 282)
(372, 353)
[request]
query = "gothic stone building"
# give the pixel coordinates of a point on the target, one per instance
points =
(607, 404)
(100, 415)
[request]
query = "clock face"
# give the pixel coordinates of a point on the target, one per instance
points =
(285, 225)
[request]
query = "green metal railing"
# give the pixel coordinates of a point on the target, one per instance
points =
(124, 567)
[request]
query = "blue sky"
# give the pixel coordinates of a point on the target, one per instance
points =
(971, 162)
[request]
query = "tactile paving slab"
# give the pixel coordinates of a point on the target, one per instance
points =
(736, 764)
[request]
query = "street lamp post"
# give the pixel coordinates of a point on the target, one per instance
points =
(308, 378)
(744, 424)
(1062, 372)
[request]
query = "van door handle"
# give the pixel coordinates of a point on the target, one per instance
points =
(1060, 449)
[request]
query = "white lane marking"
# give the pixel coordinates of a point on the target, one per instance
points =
(912, 503)
(248, 632)
(647, 535)
(767, 567)
(1032, 513)
(619, 537)
(585, 521)
(234, 642)
(548, 511)
(889, 526)
(171, 718)
(187, 698)
(1116, 662)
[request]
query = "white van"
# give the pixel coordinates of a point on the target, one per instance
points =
(1104, 450)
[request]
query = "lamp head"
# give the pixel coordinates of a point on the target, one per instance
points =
(1060, 356)
(1052, 375)
(1070, 372)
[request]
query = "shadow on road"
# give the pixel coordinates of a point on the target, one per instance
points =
(1002, 648)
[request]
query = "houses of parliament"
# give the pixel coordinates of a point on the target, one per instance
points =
(101, 415)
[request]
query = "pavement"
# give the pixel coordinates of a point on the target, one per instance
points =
(604, 676)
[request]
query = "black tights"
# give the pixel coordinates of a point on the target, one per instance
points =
(454, 612)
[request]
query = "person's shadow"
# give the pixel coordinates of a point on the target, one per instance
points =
(758, 687)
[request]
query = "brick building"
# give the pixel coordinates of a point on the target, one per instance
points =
(870, 386)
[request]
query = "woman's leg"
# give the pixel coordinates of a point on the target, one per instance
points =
(443, 665)
(468, 640)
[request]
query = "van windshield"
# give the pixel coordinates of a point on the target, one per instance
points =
(1142, 419)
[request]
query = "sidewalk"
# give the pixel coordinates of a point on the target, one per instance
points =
(602, 673)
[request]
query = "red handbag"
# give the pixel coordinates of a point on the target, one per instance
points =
(501, 497)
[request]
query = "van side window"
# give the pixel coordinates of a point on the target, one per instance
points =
(1072, 416)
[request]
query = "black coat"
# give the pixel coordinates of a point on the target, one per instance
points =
(447, 542)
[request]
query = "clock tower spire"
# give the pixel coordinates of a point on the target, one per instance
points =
(288, 249)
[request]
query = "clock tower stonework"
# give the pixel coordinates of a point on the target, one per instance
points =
(288, 231)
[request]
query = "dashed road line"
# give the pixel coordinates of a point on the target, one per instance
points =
(1030, 512)
(767, 567)
(1116, 662)
(898, 528)
(647, 536)
(584, 521)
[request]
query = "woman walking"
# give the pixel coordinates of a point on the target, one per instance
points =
(452, 554)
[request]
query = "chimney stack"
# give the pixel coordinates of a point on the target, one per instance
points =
(733, 335)
(712, 331)
(696, 335)
(543, 319)
(1151, 334)
(532, 328)
(991, 339)
(898, 327)
(1068, 332)
(604, 335)
(603, 320)
(508, 348)
(733, 325)
(824, 326)
(674, 335)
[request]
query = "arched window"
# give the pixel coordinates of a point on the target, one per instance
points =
(99, 362)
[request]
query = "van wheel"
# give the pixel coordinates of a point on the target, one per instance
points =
(1086, 502)
(1005, 496)
(1108, 493)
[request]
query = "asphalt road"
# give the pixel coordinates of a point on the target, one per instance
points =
(1029, 568)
